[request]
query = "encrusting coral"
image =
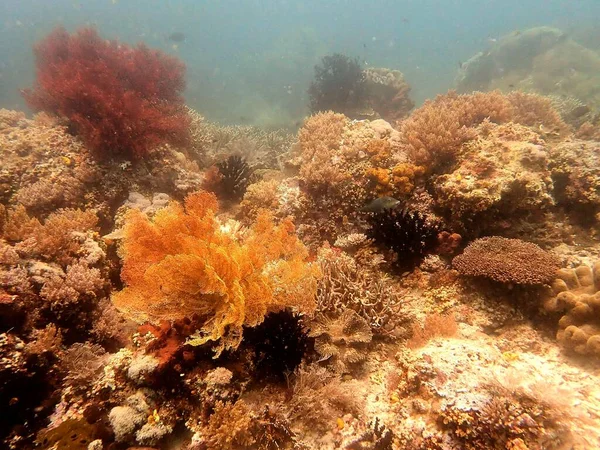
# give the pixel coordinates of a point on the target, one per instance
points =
(120, 100)
(503, 174)
(507, 261)
(183, 264)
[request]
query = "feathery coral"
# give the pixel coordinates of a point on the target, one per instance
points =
(118, 98)
(181, 263)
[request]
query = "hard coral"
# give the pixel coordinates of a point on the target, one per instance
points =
(577, 295)
(346, 285)
(503, 174)
(342, 341)
(182, 263)
(120, 100)
(507, 261)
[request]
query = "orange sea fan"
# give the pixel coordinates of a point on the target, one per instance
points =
(182, 264)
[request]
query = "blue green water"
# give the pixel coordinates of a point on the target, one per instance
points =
(250, 61)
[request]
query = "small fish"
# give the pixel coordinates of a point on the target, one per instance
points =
(511, 86)
(460, 64)
(380, 204)
(405, 20)
(177, 36)
(580, 111)
(364, 46)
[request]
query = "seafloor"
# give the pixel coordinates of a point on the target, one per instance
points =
(422, 279)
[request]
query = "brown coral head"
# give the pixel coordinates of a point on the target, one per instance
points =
(448, 243)
(507, 261)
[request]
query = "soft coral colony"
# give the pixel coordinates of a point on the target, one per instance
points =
(183, 263)
(310, 289)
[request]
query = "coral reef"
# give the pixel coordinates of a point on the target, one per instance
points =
(507, 261)
(504, 174)
(574, 169)
(121, 100)
(387, 93)
(135, 312)
(181, 263)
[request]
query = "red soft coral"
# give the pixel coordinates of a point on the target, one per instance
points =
(119, 99)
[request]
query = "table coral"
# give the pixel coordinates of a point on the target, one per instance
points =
(507, 261)
(181, 263)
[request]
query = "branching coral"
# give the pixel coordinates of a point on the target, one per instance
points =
(577, 295)
(181, 263)
(507, 261)
(120, 99)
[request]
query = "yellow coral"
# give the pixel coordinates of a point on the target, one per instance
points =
(181, 264)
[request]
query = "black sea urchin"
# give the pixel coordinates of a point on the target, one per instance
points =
(235, 177)
(407, 233)
(339, 85)
(279, 343)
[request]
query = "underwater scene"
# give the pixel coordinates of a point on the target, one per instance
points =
(312, 225)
